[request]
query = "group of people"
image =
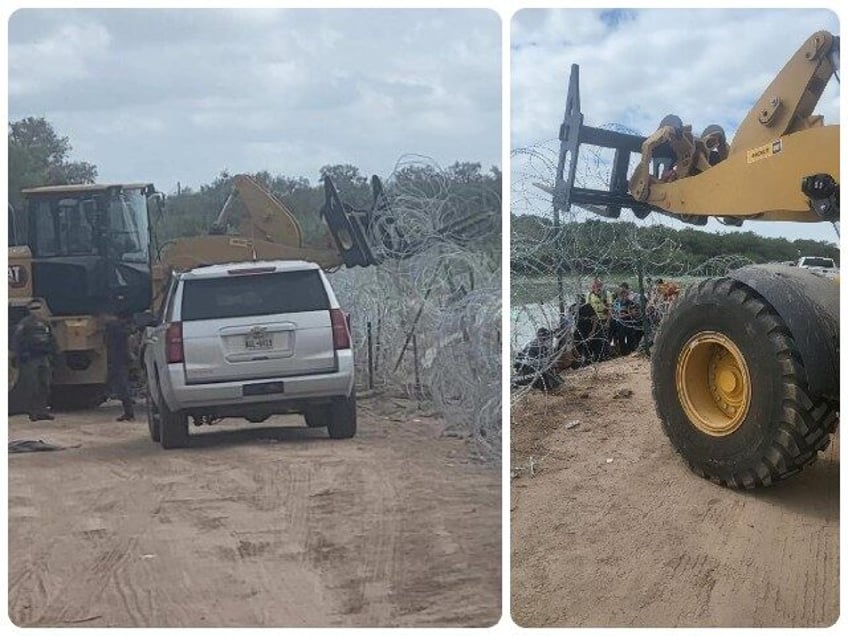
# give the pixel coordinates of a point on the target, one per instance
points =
(660, 294)
(601, 325)
(34, 346)
(607, 324)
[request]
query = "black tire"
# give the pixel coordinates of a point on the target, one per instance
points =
(153, 423)
(317, 417)
(784, 428)
(77, 397)
(173, 427)
(17, 392)
(341, 423)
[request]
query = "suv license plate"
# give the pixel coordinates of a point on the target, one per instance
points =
(262, 388)
(258, 342)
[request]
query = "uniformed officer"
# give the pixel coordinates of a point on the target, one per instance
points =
(117, 342)
(34, 346)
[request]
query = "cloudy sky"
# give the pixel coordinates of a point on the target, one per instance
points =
(706, 66)
(179, 95)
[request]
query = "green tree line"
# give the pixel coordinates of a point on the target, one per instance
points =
(38, 155)
(464, 184)
(592, 245)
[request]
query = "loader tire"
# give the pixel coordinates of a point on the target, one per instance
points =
(730, 388)
(77, 397)
(17, 392)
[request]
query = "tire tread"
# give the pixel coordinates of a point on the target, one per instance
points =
(806, 426)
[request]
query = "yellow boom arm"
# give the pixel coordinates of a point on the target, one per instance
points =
(783, 163)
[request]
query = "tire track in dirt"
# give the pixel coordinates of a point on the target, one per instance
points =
(353, 557)
(282, 528)
(614, 530)
(377, 541)
(28, 595)
(86, 592)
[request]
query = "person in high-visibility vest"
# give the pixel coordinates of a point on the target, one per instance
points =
(599, 345)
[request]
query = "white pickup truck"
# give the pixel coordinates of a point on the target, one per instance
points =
(821, 264)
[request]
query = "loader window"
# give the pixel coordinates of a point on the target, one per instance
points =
(17, 227)
(76, 226)
(46, 236)
(63, 228)
(128, 238)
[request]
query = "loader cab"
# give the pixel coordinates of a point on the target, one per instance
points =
(90, 246)
(13, 227)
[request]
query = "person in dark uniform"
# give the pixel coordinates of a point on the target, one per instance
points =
(34, 346)
(117, 344)
(589, 333)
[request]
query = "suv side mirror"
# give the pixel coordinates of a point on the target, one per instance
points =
(144, 319)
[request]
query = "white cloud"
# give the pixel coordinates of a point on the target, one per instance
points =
(56, 60)
(229, 88)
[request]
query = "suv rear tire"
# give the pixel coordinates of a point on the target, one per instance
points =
(317, 416)
(342, 420)
(173, 428)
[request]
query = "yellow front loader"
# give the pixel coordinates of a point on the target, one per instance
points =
(83, 251)
(745, 367)
(90, 253)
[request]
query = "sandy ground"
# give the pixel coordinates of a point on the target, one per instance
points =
(262, 526)
(612, 529)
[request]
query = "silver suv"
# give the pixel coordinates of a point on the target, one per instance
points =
(249, 340)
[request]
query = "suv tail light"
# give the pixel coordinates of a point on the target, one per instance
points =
(174, 343)
(341, 329)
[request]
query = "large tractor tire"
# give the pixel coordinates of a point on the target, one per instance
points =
(17, 392)
(731, 389)
(77, 397)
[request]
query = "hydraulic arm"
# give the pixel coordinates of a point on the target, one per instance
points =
(782, 164)
(254, 225)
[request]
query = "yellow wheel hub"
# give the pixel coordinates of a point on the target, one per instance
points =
(713, 383)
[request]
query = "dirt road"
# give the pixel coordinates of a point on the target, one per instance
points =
(613, 529)
(269, 526)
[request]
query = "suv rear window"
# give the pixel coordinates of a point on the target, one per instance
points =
(818, 262)
(254, 295)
